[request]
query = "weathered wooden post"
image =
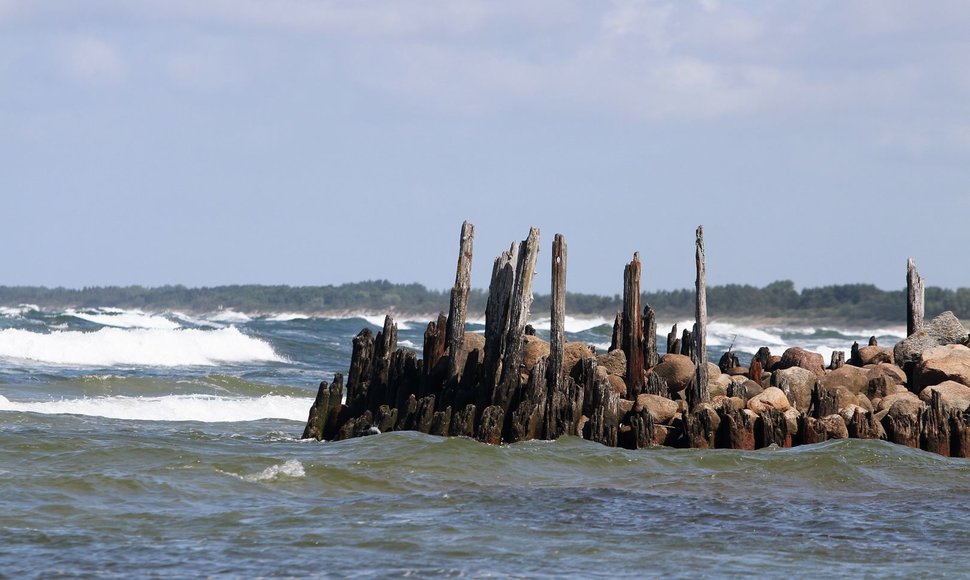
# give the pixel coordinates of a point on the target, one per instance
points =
(632, 327)
(650, 357)
(497, 317)
(518, 317)
(914, 299)
(698, 392)
(458, 309)
(557, 337)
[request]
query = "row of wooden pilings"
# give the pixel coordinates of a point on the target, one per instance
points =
(480, 387)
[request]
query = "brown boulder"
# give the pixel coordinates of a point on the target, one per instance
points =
(533, 349)
(943, 363)
(835, 427)
(799, 357)
(888, 401)
(572, 353)
(797, 380)
(472, 341)
(890, 371)
(953, 395)
(770, 398)
(614, 362)
(662, 409)
(855, 379)
(617, 384)
(870, 355)
(677, 370)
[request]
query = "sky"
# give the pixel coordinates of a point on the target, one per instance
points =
(315, 142)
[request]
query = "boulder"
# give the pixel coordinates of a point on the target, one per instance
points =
(617, 384)
(854, 378)
(835, 427)
(614, 362)
(677, 370)
(799, 381)
(942, 330)
(870, 355)
(799, 357)
(890, 400)
(864, 402)
(533, 349)
(662, 409)
(943, 363)
(472, 341)
(904, 406)
(953, 395)
(770, 398)
(572, 353)
(791, 417)
(890, 371)
(737, 371)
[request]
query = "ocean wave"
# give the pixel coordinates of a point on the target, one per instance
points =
(229, 316)
(11, 312)
(136, 347)
(202, 408)
(119, 318)
(573, 324)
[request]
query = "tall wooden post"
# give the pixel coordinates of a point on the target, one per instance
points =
(497, 314)
(632, 326)
(458, 309)
(650, 357)
(518, 316)
(699, 391)
(558, 313)
(914, 299)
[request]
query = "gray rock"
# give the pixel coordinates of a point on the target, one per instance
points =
(942, 330)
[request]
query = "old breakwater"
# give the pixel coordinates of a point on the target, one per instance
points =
(508, 385)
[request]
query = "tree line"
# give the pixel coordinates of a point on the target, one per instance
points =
(850, 302)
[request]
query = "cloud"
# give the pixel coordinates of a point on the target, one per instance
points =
(91, 61)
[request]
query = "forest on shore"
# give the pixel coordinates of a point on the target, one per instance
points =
(846, 302)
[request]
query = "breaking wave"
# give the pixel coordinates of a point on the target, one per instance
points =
(110, 347)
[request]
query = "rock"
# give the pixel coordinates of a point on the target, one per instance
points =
(835, 427)
(773, 361)
(719, 387)
(614, 362)
(791, 416)
(869, 355)
(953, 395)
(533, 349)
(854, 378)
(617, 384)
(572, 353)
(799, 357)
(799, 381)
(677, 370)
(886, 402)
(908, 406)
(625, 406)
(662, 409)
(890, 371)
(753, 388)
(737, 371)
(472, 341)
(943, 363)
(942, 330)
(864, 402)
(771, 398)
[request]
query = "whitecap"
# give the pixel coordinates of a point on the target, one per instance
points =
(202, 408)
(290, 468)
(119, 318)
(136, 347)
(229, 316)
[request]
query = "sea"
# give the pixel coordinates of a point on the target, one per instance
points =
(167, 444)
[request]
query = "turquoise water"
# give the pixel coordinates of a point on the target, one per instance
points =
(116, 467)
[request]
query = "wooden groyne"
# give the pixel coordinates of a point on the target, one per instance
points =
(508, 385)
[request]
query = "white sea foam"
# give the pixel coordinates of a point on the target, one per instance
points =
(288, 316)
(203, 408)
(18, 310)
(378, 321)
(119, 318)
(136, 347)
(571, 323)
(229, 316)
(289, 468)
